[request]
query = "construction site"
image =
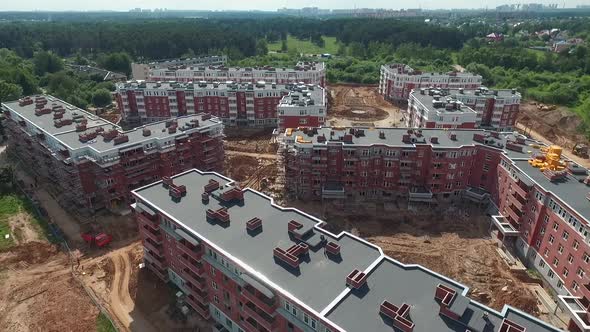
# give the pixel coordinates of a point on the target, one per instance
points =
(360, 105)
(87, 278)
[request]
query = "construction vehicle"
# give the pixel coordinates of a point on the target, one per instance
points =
(580, 150)
(100, 239)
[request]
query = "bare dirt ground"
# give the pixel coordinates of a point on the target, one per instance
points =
(38, 292)
(22, 227)
(554, 126)
(454, 242)
(360, 105)
(136, 299)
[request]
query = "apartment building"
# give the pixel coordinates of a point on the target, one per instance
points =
(304, 105)
(251, 265)
(94, 163)
(542, 197)
(303, 72)
(430, 108)
(361, 164)
(545, 215)
(454, 108)
(236, 104)
(398, 80)
(141, 71)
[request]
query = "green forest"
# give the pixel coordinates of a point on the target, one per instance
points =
(33, 54)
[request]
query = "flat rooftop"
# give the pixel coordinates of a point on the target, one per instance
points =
(405, 69)
(70, 138)
(173, 86)
(45, 122)
(415, 285)
(320, 281)
(304, 95)
(569, 189)
(439, 106)
(300, 66)
(393, 137)
(313, 283)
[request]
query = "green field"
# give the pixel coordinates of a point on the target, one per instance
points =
(103, 324)
(306, 46)
(11, 204)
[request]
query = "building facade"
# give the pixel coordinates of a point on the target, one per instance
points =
(236, 104)
(444, 108)
(96, 164)
(141, 71)
(429, 108)
(303, 106)
(543, 212)
(398, 80)
(302, 73)
(388, 163)
(251, 265)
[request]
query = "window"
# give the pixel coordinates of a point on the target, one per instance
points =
(575, 286)
(565, 272)
(576, 245)
(580, 272)
(565, 235)
(551, 239)
(555, 261)
(550, 274)
(560, 249)
(542, 263)
(288, 306)
(555, 226)
(559, 284)
(216, 299)
(546, 253)
(212, 271)
(546, 219)
(214, 285)
(570, 258)
(586, 257)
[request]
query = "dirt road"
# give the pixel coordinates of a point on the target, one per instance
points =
(361, 106)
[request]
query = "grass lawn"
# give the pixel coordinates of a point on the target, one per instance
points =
(103, 324)
(306, 46)
(11, 204)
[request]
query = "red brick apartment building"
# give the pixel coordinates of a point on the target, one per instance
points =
(443, 108)
(398, 80)
(542, 215)
(303, 72)
(94, 162)
(251, 265)
(259, 105)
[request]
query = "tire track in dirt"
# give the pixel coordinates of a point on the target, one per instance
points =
(120, 300)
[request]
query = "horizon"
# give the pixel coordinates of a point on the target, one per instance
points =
(266, 5)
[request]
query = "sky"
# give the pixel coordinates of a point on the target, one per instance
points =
(124, 5)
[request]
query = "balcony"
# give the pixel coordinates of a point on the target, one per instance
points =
(519, 191)
(252, 326)
(192, 251)
(194, 279)
(193, 265)
(155, 248)
(151, 234)
(261, 318)
(145, 219)
(513, 214)
(261, 301)
(153, 258)
(514, 201)
(199, 295)
(202, 310)
(159, 273)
